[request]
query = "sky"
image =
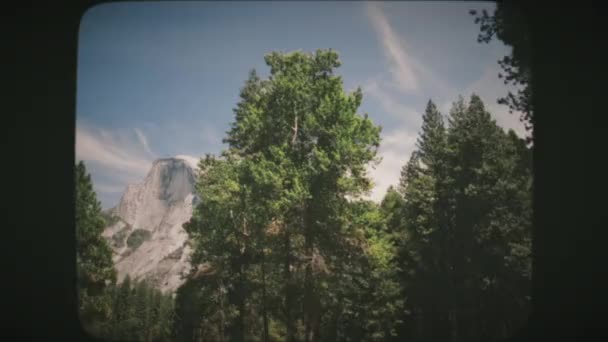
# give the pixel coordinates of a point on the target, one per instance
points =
(161, 79)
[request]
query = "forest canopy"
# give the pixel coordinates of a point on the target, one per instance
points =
(293, 250)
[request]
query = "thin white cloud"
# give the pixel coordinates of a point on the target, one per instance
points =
(143, 141)
(112, 151)
(408, 76)
(400, 62)
(395, 151)
(408, 73)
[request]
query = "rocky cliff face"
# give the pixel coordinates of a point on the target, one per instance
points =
(146, 233)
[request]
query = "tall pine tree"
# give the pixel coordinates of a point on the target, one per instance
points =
(95, 269)
(466, 220)
(302, 150)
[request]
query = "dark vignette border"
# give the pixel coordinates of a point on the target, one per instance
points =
(568, 173)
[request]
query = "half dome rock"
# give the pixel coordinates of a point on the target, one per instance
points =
(145, 228)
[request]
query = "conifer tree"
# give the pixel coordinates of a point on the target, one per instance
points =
(466, 219)
(95, 269)
(286, 249)
(301, 150)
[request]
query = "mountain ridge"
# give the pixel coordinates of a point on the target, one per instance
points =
(145, 229)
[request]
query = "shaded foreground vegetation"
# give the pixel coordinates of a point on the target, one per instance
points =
(286, 247)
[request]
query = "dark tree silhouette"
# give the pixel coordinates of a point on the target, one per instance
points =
(508, 24)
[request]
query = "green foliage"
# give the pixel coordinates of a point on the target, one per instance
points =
(93, 256)
(466, 219)
(274, 214)
(116, 312)
(109, 218)
(137, 237)
(118, 239)
(365, 290)
(297, 255)
(285, 248)
(140, 312)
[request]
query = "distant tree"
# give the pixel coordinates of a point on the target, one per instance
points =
(140, 312)
(164, 321)
(391, 207)
(143, 310)
(95, 269)
(188, 311)
(120, 309)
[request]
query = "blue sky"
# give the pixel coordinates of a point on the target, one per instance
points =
(160, 79)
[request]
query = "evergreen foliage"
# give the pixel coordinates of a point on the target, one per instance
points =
(94, 265)
(137, 237)
(297, 254)
(467, 217)
(285, 246)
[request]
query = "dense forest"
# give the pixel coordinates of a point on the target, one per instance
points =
(286, 247)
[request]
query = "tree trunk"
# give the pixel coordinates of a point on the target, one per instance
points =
(338, 321)
(239, 332)
(295, 130)
(309, 295)
(264, 309)
(454, 326)
(288, 288)
(239, 294)
(222, 318)
(236, 297)
(308, 303)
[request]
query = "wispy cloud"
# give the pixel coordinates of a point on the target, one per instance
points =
(143, 141)
(408, 73)
(408, 77)
(400, 62)
(121, 155)
(415, 81)
(116, 158)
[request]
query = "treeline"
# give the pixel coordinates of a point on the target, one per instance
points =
(130, 311)
(139, 312)
(286, 248)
